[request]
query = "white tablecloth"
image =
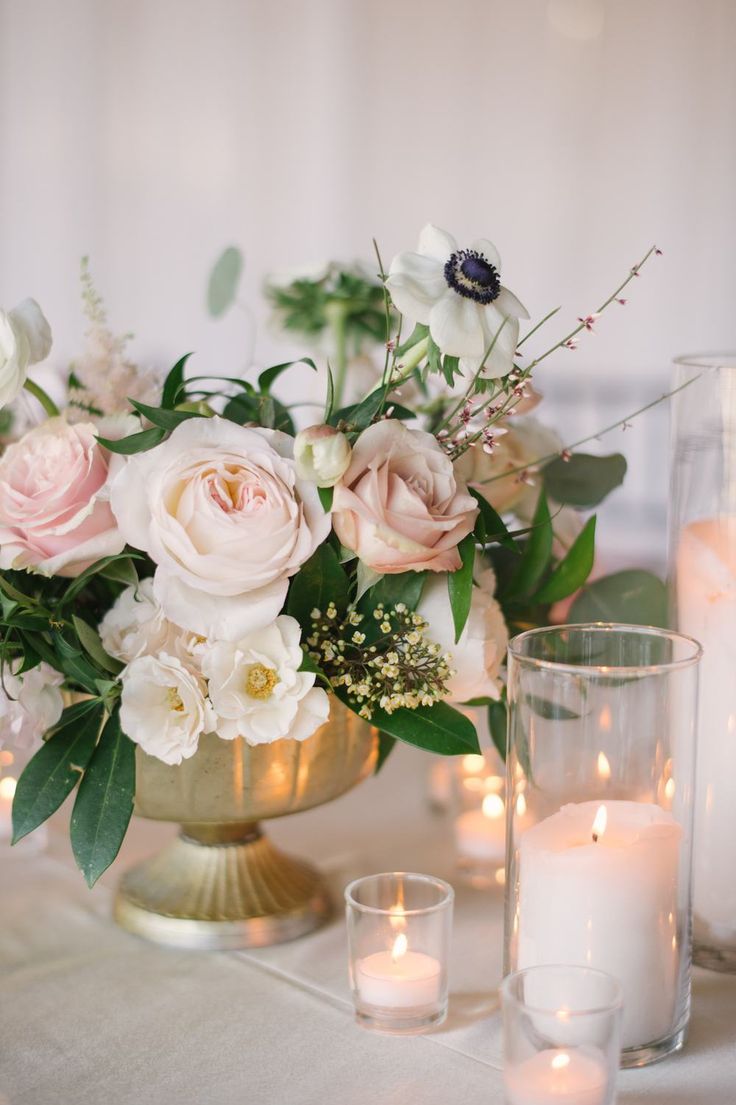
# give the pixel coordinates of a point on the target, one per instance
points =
(92, 1016)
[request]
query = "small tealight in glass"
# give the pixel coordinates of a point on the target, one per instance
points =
(399, 928)
(562, 1036)
(480, 821)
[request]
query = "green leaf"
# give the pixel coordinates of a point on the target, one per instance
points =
(434, 356)
(550, 711)
(437, 728)
(330, 398)
(326, 495)
(242, 408)
(121, 571)
(536, 555)
(403, 587)
(460, 585)
(497, 723)
(583, 480)
(224, 279)
(73, 664)
(572, 572)
(173, 383)
(164, 419)
(104, 802)
(450, 369)
(419, 333)
(633, 596)
(362, 414)
(490, 527)
(90, 641)
(55, 769)
(386, 745)
(15, 594)
(270, 375)
(134, 443)
(318, 582)
(100, 566)
(308, 664)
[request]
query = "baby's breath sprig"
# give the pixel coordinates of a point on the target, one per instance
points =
(382, 659)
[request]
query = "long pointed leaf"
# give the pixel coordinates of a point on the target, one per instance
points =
(436, 728)
(460, 585)
(536, 555)
(104, 802)
(572, 572)
(173, 383)
(55, 769)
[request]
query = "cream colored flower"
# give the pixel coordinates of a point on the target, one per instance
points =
(25, 339)
(322, 454)
(136, 625)
(164, 707)
(29, 704)
(500, 476)
(257, 689)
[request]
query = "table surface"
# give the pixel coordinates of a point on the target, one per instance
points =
(91, 1015)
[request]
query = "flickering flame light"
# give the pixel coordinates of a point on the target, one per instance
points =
(561, 1060)
(493, 805)
(520, 806)
(604, 719)
(669, 789)
(6, 757)
(474, 765)
(599, 824)
(401, 943)
(604, 767)
(7, 787)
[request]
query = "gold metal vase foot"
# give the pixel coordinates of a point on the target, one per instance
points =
(221, 886)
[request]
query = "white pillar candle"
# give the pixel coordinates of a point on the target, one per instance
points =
(398, 979)
(7, 793)
(706, 601)
(481, 834)
(558, 1076)
(606, 898)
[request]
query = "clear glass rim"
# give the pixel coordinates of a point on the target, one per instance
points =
(611, 1006)
(722, 359)
(448, 894)
(606, 669)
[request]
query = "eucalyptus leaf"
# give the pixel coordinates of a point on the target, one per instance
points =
(584, 480)
(104, 802)
(224, 280)
(460, 585)
(55, 769)
(572, 572)
(633, 596)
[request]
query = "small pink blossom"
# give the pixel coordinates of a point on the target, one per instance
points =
(590, 320)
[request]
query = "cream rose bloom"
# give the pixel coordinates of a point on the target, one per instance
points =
(496, 475)
(25, 339)
(136, 625)
(400, 506)
(257, 689)
(477, 657)
(222, 512)
(29, 704)
(164, 707)
(55, 514)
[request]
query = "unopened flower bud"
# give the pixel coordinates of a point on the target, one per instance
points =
(322, 454)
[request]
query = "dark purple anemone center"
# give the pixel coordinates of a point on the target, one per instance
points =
(471, 274)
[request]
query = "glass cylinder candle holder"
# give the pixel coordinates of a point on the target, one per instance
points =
(601, 747)
(480, 819)
(13, 761)
(562, 1036)
(399, 928)
(703, 594)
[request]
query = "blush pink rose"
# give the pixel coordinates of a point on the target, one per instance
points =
(400, 505)
(55, 516)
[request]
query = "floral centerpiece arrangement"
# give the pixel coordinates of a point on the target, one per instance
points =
(179, 560)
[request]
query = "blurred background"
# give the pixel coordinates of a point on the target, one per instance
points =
(150, 134)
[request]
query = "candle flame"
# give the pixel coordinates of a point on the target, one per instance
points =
(474, 764)
(599, 823)
(561, 1060)
(604, 719)
(401, 944)
(563, 1015)
(604, 767)
(6, 757)
(493, 806)
(669, 789)
(500, 876)
(7, 787)
(520, 806)
(396, 911)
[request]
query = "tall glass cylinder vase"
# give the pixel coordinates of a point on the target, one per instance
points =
(703, 574)
(600, 784)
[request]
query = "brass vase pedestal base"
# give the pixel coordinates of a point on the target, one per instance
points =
(219, 887)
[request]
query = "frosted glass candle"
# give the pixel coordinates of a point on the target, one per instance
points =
(558, 1076)
(706, 603)
(602, 891)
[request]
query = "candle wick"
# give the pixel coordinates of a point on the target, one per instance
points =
(595, 838)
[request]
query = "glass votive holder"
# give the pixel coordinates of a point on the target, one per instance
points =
(562, 1036)
(399, 928)
(480, 819)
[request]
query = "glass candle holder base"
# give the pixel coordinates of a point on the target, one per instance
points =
(714, 957)
(635, 1057)
(407, 1022)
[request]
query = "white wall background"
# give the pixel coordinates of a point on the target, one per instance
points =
(151, 133)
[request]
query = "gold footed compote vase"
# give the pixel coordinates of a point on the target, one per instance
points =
(222, 883)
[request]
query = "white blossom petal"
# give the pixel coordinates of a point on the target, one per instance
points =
(507, 303)
(436, 243)
(455, 325)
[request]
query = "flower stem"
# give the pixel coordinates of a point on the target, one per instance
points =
(45, 400)
(338, 322)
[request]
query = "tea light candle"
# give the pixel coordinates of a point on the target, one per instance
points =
(598, 888)
(481, 834)
(7, 793)
(399, 978)
(558, 1076)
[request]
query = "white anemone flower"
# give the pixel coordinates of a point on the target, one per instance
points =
(458, 294)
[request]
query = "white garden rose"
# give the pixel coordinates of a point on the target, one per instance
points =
(25, 339)
(29, 704)
(257, 689)
(227, 520)
(136, 625)
(322, 454)
(477, 657)
(164, 707)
